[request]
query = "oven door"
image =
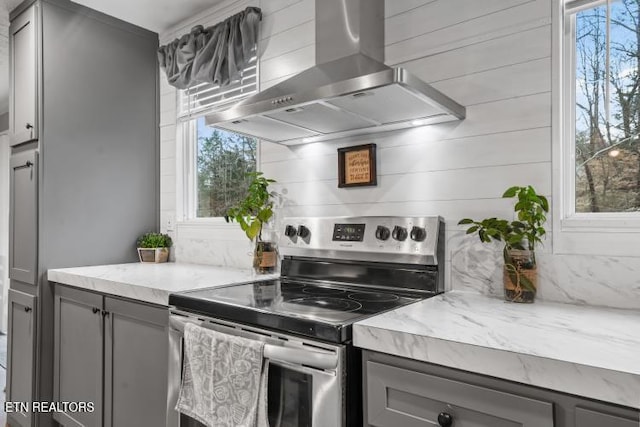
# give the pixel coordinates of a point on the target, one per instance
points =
(305, 383)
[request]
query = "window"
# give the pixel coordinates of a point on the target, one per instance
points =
(596, 126)
(607, 107)
(216, 161)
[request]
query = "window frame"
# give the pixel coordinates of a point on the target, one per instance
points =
(186, 170)
(602, 233)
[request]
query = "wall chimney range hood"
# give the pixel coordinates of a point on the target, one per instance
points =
(349, 92)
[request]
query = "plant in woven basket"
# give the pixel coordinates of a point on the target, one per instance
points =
(520, 237)
(153, 247)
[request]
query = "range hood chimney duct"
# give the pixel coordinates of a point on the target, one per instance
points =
(350, 91)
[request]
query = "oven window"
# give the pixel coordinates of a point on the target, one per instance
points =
(289, 397)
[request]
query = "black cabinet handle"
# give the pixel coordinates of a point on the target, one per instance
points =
(27, 309)
(29, 163)
(105, 313)
(29, 126)
(95, 310)
(445, 420)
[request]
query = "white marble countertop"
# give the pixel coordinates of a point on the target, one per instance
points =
(150, 282)
(586, 351)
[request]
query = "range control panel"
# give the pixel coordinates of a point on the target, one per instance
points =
(374, 238)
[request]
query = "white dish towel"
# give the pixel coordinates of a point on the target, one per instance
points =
(224, 379)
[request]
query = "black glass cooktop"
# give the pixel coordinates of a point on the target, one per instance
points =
(311, 309)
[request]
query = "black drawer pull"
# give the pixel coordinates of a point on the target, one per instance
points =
(105, 313)
(445, 420)
(28, 164)
(29, 126)
(95, 310)
(27, 309)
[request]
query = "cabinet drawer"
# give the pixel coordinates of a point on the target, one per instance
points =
(590, 418)
(402, 397)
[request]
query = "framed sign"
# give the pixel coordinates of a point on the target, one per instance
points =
(357, 166)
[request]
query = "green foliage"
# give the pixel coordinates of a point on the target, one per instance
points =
(223, 163)
(522, 233)
(154, 240)
(256, 208)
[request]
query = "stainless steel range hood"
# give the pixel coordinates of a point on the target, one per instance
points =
(349, 92)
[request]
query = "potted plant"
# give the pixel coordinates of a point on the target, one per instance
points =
(252, 213)
(154, 247)
(520, 237)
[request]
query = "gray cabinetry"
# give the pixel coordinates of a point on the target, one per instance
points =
(113, 353)
(23, 227)
(398, 396)
(20, 350)
(591, 418)
(24, 86)
(78, 341)
(408, 393)
(136, 351)
(84, 160)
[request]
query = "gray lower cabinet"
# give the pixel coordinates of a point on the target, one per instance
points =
(401, 392)
(402, 397)
(113, 353)
(136, 360)
(78, 354)
(591, 418)
(20, 351)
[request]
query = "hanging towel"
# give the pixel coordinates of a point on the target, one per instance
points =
(222, 379)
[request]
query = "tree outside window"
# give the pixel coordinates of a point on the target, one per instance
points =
(607, 152)
(223, 161)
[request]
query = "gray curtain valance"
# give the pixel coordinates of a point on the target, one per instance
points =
(215, 54)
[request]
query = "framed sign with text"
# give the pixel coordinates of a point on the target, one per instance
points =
(357, 166)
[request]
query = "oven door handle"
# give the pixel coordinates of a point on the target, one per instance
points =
(311, 358)
(276, 353)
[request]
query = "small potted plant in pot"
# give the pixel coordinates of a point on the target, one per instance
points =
(154, 247)
(252, 213)
(520, 237)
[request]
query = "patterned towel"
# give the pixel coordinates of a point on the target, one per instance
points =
(223, 380)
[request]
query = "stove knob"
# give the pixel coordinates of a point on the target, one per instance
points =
(418, 234)
(382, 233)
(303, 232)
(290, 231)
(399, 233)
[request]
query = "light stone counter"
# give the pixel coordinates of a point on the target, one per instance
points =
(586, 351)
(150, 282)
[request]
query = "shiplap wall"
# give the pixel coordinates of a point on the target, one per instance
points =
(494, 57)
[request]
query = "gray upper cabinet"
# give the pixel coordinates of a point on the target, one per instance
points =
(20, 349)
(78, 341)
(23, 217)
(24, 77)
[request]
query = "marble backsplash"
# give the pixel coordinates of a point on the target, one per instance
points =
(575, 279)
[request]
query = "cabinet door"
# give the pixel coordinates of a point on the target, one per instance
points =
(23, 217)
(402, 397)
(78, 349)
(590, 418)
(20, 354)
(136, 359)
(23, 115)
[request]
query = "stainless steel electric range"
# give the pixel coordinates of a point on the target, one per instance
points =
(335, 271)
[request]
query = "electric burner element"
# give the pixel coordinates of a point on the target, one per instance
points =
(373, 297)
(315, 290)
(339, 304)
